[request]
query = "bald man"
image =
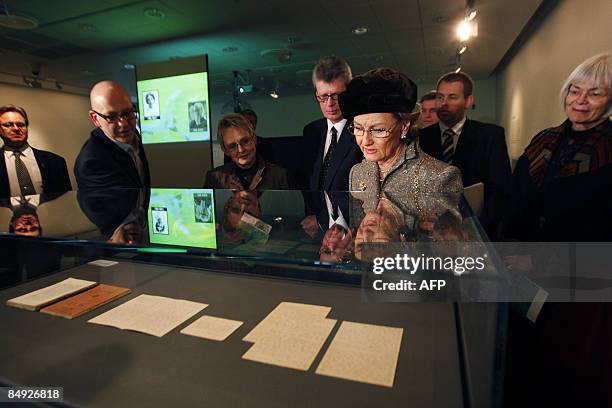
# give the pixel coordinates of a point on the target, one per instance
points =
(113, 156)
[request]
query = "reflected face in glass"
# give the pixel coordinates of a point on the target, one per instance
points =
(327, 96)
(429, 112)
(13, 129)
(336, 244)
(240, 146)
(586, 105)
(452, 103)
(27, 225)
(375, 227)
(369, 125)
(131, 233)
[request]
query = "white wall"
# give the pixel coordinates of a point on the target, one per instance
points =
(58, 121)
(528, 87)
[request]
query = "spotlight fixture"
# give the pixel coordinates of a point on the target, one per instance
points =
(360, 30)
(274, 94)
(472, 15)
(458, 70)
(245, 89)
(462, 49)
(31, 82)
(155, 13)
(464, 30)
(88, 27)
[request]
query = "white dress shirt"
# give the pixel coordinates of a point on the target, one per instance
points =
(340, 220)
(27, 157)
(457, 129)
(30, 200)
(339, 128)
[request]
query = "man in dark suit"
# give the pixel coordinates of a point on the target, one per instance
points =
(25, 170)
(477, 149)
(113, 156)
(329, 150)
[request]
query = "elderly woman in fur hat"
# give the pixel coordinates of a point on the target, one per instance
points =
(379, 103)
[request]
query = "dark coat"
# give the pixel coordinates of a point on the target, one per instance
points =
(345, 156)
(482, 156)
(53, 170)
(103, 164)
(268, 177)
(567, 207)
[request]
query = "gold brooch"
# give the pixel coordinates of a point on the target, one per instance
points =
(362, 185)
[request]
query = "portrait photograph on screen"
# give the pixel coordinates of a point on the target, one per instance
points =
(182, 217)
(174, 109)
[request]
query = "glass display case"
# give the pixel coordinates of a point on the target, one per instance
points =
(243, 254)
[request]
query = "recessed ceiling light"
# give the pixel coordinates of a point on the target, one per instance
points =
(360, 30)
(155, 13)
(440, 19)
(88, 27)
(230, 49)
(129, 66)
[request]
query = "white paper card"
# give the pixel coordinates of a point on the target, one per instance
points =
(212, 328)
(103, 263)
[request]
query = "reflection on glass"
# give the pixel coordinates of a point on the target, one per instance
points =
(182, 217)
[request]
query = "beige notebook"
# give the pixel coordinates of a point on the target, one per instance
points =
(42, 297)
(363, 352)
(154, 315)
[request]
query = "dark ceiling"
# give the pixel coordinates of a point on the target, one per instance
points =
(78, 42)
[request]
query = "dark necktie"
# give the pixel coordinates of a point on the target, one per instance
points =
(23, 177)
(328, 156)
(447, 146)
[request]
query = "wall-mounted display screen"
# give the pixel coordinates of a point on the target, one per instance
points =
(174, 109)
(182, 217)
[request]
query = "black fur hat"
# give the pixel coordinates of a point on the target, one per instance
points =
(378, 91)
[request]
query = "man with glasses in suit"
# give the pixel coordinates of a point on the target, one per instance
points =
(329, 150)
(113, 156)
(24, 170)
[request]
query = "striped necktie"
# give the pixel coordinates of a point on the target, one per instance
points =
(23, 176)
(447, 146)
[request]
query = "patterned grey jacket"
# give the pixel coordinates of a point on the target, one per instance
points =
(417, 183)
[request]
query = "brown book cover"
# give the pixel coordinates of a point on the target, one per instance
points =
(84, 302)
